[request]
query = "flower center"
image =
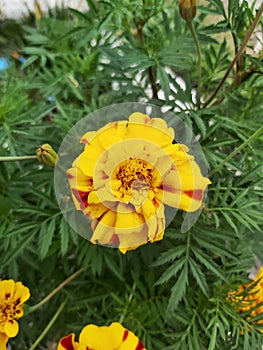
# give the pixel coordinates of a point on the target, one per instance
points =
(7, 311)
(134, 173)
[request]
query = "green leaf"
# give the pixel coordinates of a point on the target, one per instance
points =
(198, 276)
(171, 271)
(179, 289)
(45, 237)
(207, 262)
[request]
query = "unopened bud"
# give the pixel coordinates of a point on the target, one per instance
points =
(187, 9)
(46, 155)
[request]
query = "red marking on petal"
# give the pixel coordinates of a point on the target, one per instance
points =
(18, 301)
(115, 240)
(69, 176)
(67, 342)
(82, 197)
(140, 346)
(86, 142)
(125, 335)
(7, 295)
(195, 194)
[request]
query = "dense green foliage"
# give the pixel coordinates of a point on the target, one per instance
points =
(172, 294)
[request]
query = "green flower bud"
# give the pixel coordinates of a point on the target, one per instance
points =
(187, 9)
(46, 155)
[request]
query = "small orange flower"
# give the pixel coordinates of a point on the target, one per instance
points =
(13, 295)
(92, 337)
(252, 300)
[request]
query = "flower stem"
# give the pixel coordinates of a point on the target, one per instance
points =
(16, 158)
(55, 291)
(237, 56)
(127, 304)
(50, 324)
(199, 61)
(238, 149)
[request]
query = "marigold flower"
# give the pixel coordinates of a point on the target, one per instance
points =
(126, 174)
(92, 337)
(187, 9)
(13, 295)
(252, 300)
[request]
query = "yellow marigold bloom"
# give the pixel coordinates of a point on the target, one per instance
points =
(13, 295)
(126, 174)
(92, 337)
(253, 298)
(187, 9)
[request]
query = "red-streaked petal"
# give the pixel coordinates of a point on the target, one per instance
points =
(67, 343)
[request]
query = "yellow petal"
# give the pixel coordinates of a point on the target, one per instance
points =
(77, 179)
(111, 134)
(158, 123)
(96, 338)
(133, 240)
(22, 293)
(3, 340)
(104, 230)
(95, 207)
(85, 163)
(127, 220)
(7, 288)
(11, 328)
(117, 334)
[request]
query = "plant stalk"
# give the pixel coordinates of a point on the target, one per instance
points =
(237, 56)
(55, 291)
(127, 305)
(50, 324)
(238, 149)
(199, 61)
(16, 158)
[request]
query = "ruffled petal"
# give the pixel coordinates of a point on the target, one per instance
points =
(104, 230)
(96, 338)
(21, 294)
(77, 179)
(7, 288)
(11, 328)
(95, 207)
(140, 127)
(3, 340)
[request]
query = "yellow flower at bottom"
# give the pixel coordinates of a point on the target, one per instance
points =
(248, 297)
(13, 295)
(127, 173)
(92, 337)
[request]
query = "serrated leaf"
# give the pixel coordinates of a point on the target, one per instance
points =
(207, 262)
(179, 288)
(64, 236)
(170, 255)
(198, 276)
(45, 237)
(171, 271)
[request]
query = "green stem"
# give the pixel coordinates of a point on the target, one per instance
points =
(238, 149)
(128, 303)
(237, 56)
(55, 291)
(50, 324)
(14, 159)
(199, 61)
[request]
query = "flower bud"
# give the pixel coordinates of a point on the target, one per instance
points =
(46, 155)
(187, 9)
